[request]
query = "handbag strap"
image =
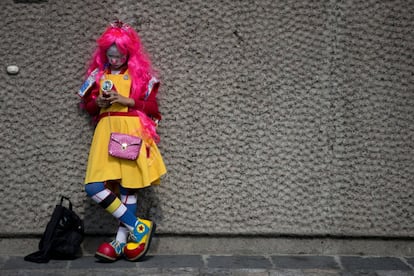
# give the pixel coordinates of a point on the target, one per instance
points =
(109, 121)
(135, 133)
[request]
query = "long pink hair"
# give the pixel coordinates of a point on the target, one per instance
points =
(128, 43)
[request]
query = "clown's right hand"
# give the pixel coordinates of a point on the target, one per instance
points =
(102, 102)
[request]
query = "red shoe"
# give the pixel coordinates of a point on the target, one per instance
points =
(110, 252)
(141, 240)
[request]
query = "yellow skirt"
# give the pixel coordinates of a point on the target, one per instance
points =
(140, 173)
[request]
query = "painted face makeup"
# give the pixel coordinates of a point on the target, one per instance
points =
(115, 58)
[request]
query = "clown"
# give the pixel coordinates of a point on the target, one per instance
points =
(129, 107)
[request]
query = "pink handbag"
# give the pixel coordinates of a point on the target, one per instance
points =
(124, 146)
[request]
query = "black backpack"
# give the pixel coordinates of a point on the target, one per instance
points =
(62, 237)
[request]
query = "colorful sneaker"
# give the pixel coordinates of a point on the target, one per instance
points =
(141, 240)
(110, 252)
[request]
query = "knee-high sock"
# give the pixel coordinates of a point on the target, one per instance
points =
(111, 203)
(129, 199)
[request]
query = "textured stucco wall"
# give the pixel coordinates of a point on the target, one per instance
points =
(280, 117)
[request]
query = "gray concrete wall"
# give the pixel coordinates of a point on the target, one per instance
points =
(293, 117)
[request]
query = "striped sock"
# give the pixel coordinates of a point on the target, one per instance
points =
(111, 203)
(130, 201)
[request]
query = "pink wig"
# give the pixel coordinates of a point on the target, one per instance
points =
(128, 43)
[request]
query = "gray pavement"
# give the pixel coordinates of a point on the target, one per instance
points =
(277, 265)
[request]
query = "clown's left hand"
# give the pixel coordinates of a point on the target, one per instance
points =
(114, 97)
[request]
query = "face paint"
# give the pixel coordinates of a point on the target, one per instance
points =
(115, 58)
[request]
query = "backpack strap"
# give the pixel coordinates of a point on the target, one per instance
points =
(61, 201)
(46, 242)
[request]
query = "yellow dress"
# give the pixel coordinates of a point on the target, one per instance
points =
(140, 173)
